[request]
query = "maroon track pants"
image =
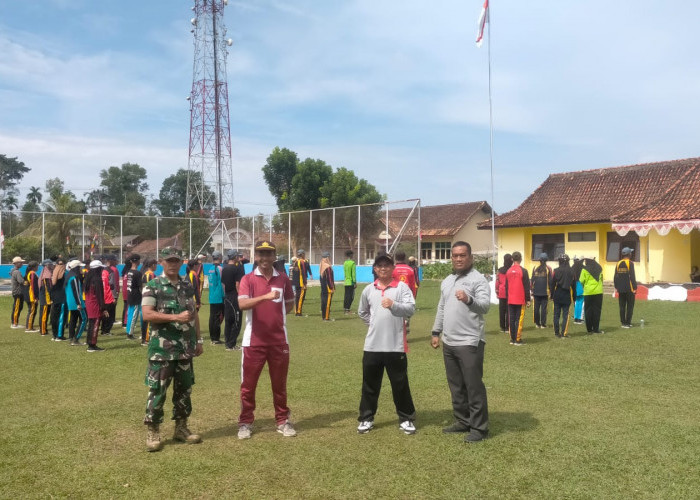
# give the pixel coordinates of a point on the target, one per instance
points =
(252, 362)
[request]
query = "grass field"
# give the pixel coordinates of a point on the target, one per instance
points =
(603, 416)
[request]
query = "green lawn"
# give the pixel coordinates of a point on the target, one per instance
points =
(603, 416)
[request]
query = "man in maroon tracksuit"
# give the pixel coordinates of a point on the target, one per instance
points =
(518, 294)
(267, 297)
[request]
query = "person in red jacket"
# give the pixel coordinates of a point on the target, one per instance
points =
(501, 292)
(518, 295)
(404, 272)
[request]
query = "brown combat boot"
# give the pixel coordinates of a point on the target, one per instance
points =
(153, 442)
(182, 433)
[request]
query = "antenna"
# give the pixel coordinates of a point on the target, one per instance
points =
(210, 130)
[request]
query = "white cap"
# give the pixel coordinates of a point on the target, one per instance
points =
(95, 264)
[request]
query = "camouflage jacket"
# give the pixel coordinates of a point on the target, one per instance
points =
(170, 341)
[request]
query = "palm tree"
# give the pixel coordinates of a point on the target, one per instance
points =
(34, 196)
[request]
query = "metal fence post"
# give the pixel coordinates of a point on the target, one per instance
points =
(43, 220)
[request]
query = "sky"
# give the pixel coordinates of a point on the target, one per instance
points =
(395, 91)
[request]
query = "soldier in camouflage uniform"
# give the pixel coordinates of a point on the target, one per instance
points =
(168, 303)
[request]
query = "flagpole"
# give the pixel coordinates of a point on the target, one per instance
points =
(493, 222)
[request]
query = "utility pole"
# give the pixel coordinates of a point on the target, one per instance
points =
(210, 131)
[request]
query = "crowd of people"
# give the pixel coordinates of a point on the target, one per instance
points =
(580, 284)
(164, 310)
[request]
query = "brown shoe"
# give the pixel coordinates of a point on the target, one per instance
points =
(183, 434)
(153, 442)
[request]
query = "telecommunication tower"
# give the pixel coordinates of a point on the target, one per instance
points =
(210, 131)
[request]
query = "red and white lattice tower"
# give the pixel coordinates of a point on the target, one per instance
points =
(210, 132)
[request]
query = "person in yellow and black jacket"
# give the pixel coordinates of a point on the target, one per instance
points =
(541, 283)
(300, 271)
(327, 285)
(45, 296)
(193, 275)
(626, 286)
(32, 296)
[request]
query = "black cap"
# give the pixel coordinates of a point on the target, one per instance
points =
(383, 258)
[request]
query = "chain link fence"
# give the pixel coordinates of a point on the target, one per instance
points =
(362, 229)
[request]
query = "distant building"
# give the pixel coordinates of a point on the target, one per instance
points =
(441, 226)
(653, 208)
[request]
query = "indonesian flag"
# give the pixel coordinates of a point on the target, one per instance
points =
(483, 19)
(2, 239)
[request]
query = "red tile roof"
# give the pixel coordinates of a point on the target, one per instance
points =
(652, 191)
(439, 220)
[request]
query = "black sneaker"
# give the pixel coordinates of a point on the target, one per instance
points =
(129, 337)
(94, 348)
(475, 436)
(455, 428)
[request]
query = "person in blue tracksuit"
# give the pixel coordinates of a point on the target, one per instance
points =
(77, 316)
(578, 292)
(216, 299)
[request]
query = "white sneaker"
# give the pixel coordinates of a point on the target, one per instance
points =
(245, 431)
(408, 427)
(365, 426)
(287, 429)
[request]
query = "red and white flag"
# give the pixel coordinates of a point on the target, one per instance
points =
(483, 19)
(2, 239)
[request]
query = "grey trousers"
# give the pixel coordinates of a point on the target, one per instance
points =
(464, 366)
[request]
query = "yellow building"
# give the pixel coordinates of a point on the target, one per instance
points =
(653, 208)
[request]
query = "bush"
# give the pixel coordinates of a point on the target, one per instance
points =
(440, 270)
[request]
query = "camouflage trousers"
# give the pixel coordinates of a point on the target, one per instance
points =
(158, 377)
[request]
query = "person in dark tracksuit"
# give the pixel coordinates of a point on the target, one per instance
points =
(45, 296)
(32, 294)
(563, 290)
(626, 286)
(77, 316)
(231, 276)
(132, 293)
(59, 310)
(300, 271)
(501, 292)
(541, 282)
(17, 282)
(327, 286)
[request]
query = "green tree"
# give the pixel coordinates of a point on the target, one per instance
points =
(34, 195)
(59, 226)
(173, 194)
(311, 176)
(279, 171)
(29, 248)
(11, 172)
(124, 189)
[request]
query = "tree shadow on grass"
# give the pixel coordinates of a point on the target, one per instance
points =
(500, 422)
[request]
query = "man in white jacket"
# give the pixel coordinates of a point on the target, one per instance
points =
(384, 305)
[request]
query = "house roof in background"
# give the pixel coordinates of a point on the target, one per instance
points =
(651, 191)
(438, 220)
